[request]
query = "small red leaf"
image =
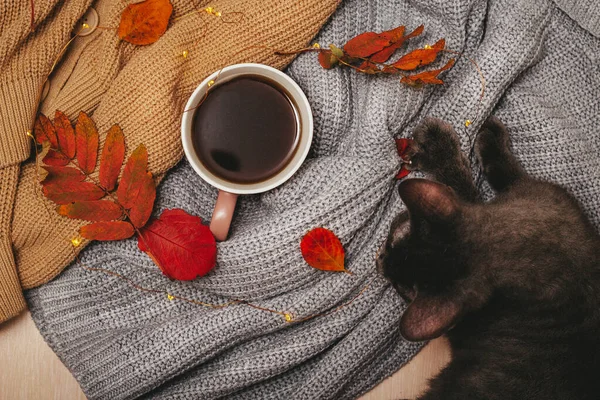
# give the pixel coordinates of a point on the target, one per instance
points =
(327, 59)
(62, 174)
(419, 57)
(142, 207)
(145, 22)
(69, 191)
(403, 172)
(133, 176)
(55, 158)
(44, 131)
(403, 145)
(87, 143)
(427, 77)
(111, 159)
(95, 210)
(365, 44)
(321, 249)
(115, 230)
(181, 246)
(65, 134)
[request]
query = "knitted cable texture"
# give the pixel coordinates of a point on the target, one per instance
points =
(541, 69)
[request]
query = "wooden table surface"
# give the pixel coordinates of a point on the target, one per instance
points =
(30, 370)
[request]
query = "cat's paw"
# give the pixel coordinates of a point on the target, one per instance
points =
(436, 147)
(493, 150)
(492, 143)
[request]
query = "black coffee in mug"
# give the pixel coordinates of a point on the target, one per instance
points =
(246, 130)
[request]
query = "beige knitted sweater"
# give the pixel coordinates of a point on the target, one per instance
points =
(142, 88)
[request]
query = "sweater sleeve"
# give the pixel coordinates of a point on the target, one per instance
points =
(26, 59)
(11, 298)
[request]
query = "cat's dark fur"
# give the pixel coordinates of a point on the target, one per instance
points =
(514, 283)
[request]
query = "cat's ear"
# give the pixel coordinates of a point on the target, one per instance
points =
(430, 316)
(431, 200)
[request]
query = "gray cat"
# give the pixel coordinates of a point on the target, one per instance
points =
(514, 283)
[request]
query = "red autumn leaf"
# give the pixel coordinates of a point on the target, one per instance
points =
(181, 246)
(429, 77)
(69, 191)
(62, 174)
(419, 57)
(65, 134)
(366, 44)
(55, 158)
(403, 145)
(397, 40)
(87, 143)
(133, 176)
(44, 131)
(144, 23)
(142, 207)
(111, 159)
(95, 210)
(114, 230)
(321, 249)
(403, 172)
(327, 59)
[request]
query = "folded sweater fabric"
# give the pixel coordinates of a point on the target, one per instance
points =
(141, 88)
(541, 65)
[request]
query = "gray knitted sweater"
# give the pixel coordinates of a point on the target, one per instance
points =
(540, 61)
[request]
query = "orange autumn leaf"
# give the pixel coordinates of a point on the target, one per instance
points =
(87, 143)
(393, 35)
(65, 134)
(69, 191)
(114, 230)
(55, 158)
(133, 176)
(111, 159)
(181, 246)
(142, 206)
(144, 23)
(62, 174)
(419, 57)
(366, 44)
(44, 131)
(322, 250)
(427, 77)
(369, 68)
(78, 194)
(95, 210)
(397, 40)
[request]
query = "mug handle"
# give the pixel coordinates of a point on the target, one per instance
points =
(222, 214)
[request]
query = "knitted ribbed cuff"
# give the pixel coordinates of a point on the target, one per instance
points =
(18, 104)
(11, 296)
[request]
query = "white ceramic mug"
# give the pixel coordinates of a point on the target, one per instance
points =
(229, 191)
